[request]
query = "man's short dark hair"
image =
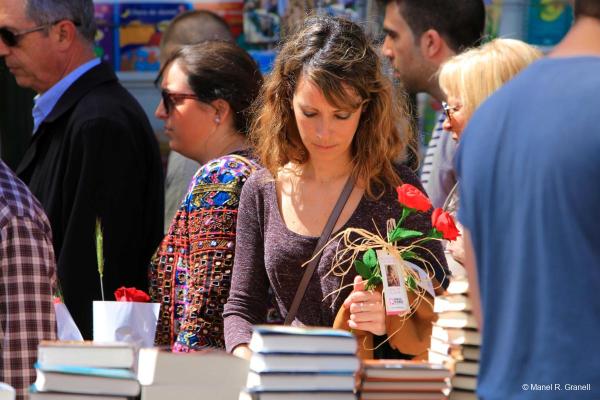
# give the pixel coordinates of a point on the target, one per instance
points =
(588, 8)
(459, 22)
(192, 27)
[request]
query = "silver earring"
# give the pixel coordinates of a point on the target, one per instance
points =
(217, 120)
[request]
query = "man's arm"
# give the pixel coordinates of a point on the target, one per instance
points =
(27, 278)
(471, 267)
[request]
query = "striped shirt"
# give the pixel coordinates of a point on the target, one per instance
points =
(437, 174)
(27, 279)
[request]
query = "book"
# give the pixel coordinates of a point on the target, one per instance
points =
(216, 390)
(456, 351)
(86, 354)
(466, 368)
(464, 382)
(456, 335)
(162, 367)
(306, 381)
(250, 394)
(451, 302)
(456, 365)
(35, 395)
(286, 339)
(71, 379)
(458, 285)
(274, 362)
(402, 370)
(462, 395)
(403, 386)
(403, 396)
(456, 319)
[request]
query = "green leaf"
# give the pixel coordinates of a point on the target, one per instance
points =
(362, 269)
(408, 255)
(370, 258)
(436, 234)
(411, 283)
(373, 282)
(401, 234)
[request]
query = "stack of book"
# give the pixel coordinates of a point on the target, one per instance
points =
(401, 379)
(210, 374)
(455, 341)
(301, 363)
(84, 370)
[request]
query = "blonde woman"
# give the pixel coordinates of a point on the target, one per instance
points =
(470, 78)
(325, 114)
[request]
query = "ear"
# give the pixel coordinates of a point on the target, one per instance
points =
(64, 34)
(432, 44)
(222, 109)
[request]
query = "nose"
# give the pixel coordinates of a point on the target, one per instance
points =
(386, 49)
(447, 125)
(161, 112)
(4, 49)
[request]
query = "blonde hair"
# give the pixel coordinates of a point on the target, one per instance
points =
(336, 56)
(474, 75)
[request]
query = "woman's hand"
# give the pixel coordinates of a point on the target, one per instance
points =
(367, 311)
(457, 249)
(242, 351)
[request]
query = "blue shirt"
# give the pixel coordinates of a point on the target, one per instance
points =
(45, 102)
(529, 173)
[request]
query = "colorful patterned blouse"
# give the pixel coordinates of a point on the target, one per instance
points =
(190, 274)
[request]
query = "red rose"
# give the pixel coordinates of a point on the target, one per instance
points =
(131, 294)
(411, 197)
(444, 223)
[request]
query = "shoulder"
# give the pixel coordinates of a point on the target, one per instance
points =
(226, 169)
(259, 181)
(17, 202)
(407, 175)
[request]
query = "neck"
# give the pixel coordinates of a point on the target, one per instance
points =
(581, 40)
(436, 92)
(221, 144)
(71, 62)
(326, 172)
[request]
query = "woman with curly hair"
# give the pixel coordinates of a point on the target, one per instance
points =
(326, 115)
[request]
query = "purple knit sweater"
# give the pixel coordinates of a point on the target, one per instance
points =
(269, 254)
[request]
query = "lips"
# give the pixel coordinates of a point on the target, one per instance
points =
(323, 147)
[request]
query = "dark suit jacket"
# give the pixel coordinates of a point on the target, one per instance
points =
(95, 155)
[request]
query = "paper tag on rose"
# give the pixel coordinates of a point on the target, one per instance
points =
(424, 281)
(394, 290)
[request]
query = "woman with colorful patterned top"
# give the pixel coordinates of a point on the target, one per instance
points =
(206, 90)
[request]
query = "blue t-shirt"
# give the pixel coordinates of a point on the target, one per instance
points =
(529, 173)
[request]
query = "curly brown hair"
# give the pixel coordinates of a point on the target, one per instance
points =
(335, 55)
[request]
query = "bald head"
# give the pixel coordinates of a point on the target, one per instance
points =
(192, 27)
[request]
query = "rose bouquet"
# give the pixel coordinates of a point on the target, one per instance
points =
(389, 258)
(131, 318)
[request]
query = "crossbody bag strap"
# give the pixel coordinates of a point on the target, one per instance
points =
(316, 256)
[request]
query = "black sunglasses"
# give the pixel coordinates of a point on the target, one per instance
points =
(169, 99)
(11, 39)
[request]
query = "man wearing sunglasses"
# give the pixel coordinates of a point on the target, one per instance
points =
(92, 155)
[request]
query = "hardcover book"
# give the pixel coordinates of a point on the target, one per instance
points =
(101, 381)
(401, 370)
(162, 367)
(275, 362)
(285, 339)
(289, 381)
(86, 354)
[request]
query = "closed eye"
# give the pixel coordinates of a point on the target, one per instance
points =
(308, 114)
(342, 116)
